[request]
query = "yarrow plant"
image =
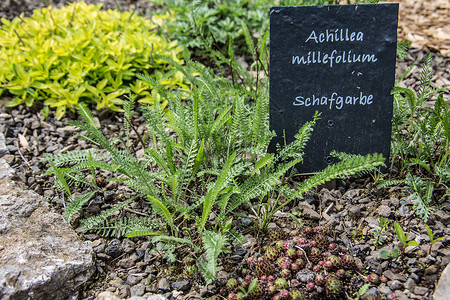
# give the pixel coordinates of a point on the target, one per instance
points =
(204, 154)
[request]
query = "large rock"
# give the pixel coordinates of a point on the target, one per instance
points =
(40, 255)
(442, 291)
(3, 149)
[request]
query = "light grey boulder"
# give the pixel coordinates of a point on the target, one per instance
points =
(3, 149)
(41, 257)
(442, 291)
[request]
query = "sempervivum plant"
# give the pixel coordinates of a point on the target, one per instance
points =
(333, 286)
(306, 264)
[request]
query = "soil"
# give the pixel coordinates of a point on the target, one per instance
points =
(351, 208)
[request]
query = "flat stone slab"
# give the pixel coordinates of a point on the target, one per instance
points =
(442, 291)
(41, 257)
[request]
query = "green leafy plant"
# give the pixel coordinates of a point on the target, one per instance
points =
(380, 233)
(206, 153)
(431, 235)
(362, 290)
(426, 145)
(421, 141)
(214, 244)
(402, 48)
(394, 254)
(402, 237)
(82, 54)
(420, 197)
(275, 200)
(210, 25)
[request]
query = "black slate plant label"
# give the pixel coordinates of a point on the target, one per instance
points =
(338, 60)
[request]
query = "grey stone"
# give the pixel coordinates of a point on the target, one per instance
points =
(113, 251)
(355, 211)
(156, 297)
(107, 295)
(445, 253)
(364, 200)
(350, 194)
(370, 292)
(395, 285)
(103, 256)
(443, 287)
(140, 253)
(41, 256)
(124, 291)
(238, 250)
(128, 246)
(3, 149)
(246, 221)
(222, 275)
(331, 221)
(372, 221)
(384, 289)
(410, 284)
(9, 158)
(137, 290)
(109, 195)
(435, 247)
(326, 196)
(384, 211)
(128, 262)
(393, 276)
(402, 211)
(5, 170)
(133, 279)
(305, 276)
(420, 290)
(181, 285)
(164, 284)
(400, 295)
(433, 269)
(414, 277)
(394, 201)
(440, 215)
(66, 129)
(310, 199)
(310, 213)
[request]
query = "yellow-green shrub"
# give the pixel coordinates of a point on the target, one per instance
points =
(82, 53)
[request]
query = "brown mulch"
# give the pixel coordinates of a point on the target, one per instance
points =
(426, 24)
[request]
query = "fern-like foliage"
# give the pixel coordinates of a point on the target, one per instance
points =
(127, 226)
(213, 243)
(426, 143)
(421, 195)
(389, 183)
(95, 222)
(205, 151)
(75, 205)
(425, 79)
(402, 48)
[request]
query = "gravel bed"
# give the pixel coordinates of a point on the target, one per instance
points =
(128, 268)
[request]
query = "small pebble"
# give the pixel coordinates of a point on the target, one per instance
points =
(384, 211)
(113, 251)
(181, 285)
(420, 290)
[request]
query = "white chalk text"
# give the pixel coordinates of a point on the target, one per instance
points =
(334, 101)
